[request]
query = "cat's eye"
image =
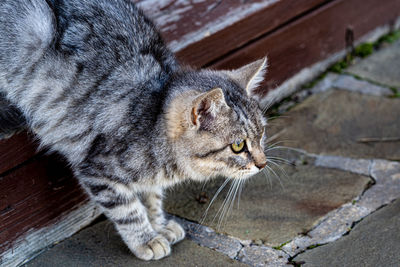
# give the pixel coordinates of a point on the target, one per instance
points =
(238, 147)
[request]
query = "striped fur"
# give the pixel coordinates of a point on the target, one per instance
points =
(96, 83)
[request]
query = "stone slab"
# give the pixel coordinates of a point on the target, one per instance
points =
(271, 210)
(334, 225)
(382, 67)
(100, 245)
(206, 237)
(372, 242)
(342, 123)
(263, 256)
(346, 82)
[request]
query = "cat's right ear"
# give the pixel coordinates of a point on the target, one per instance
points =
(250, 76)
(206, 106)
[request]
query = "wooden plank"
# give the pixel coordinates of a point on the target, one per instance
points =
(36, 195)
(312, 38)
(16, 150)
(202, 31)
(215, 46)
(29, 245)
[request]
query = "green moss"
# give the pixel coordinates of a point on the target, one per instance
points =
(281, 245)
(389, 38)
(314, 82)
(313, 246)
(396, 92)
(338, 67)
(364, 50)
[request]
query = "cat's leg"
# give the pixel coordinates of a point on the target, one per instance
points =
(170, 229)
(125, 209)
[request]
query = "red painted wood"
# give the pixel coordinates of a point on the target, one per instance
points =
(313, 38)
(215, 46)
(16, 150)
(36, 195)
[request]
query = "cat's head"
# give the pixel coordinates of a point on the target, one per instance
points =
(215, 124)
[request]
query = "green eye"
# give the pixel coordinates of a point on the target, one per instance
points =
(238, 147)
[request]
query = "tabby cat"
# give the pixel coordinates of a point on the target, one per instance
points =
(96, 83)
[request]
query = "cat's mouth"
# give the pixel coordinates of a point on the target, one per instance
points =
(246, 173)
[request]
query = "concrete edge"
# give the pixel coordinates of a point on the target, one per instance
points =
(36, 241)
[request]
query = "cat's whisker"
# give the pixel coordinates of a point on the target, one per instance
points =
(237, 182)
(276, 143)
(280, 168)
(280, 147)
(242, 181)
(213, 199)
(280, 160)
(227, 203)
(264, 171)
(220, 210)
(276, 175)
(232, 201)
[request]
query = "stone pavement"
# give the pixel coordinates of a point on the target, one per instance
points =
(333, 204)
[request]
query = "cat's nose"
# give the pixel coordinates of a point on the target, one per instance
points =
(261, 165)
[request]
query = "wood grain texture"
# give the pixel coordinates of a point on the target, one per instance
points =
(16, 150)
(312, 38)
(36, 195)
(215, 46)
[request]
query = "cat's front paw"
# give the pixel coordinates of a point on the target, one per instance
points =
(157, 248)
(173, 232)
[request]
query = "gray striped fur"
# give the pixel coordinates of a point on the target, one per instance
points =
(96, 83)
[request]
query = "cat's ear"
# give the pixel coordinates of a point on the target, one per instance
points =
(206, 106)
(251, 75)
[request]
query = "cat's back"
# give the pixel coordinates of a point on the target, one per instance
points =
(81, 68)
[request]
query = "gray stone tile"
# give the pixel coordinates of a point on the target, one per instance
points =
(206, 237)
(340, 123)
(271, 212)
(263, 256)
(372, 242)
(382, 67)
(349, 83)
(100, 245)
(338, 222)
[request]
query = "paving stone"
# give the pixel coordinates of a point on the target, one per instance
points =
(100, 245)
(331, 228)
(263, 256)
(346, 82)
(387, 187)
(382, 67)
(206, 237)
(342, 123)
(338, 222)
(360, 166)
(270, 212)
(372, 242)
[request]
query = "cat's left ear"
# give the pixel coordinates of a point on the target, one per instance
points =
(250, 76)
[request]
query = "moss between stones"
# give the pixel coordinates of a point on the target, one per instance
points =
(389, 38)
(396, 92)
(281, 245)
(364, 50)
(313, 246)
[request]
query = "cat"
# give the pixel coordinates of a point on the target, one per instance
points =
(96, 83)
